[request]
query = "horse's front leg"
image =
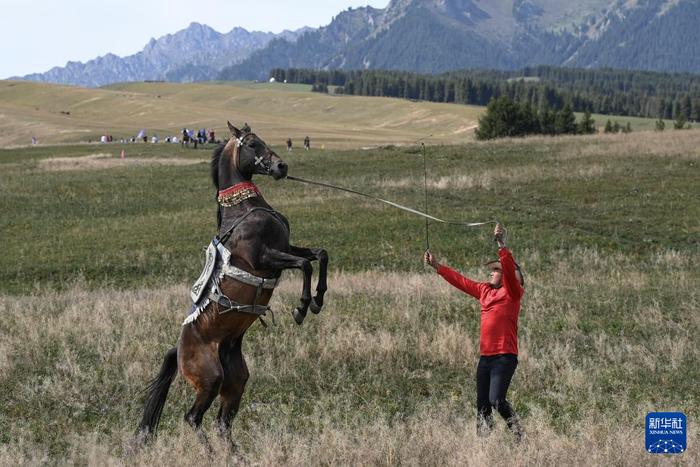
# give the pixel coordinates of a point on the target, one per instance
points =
(277, 260)
(322, 256)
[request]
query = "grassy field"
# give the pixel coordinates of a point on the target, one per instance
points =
(98, 254)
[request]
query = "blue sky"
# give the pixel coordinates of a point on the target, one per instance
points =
(39, 34)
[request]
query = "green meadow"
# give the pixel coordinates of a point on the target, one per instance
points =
(98, 253)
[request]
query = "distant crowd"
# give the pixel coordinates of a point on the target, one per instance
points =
(185, 138)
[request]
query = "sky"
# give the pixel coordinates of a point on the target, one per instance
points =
(37, 35)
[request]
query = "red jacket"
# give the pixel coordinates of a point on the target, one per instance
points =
(499, 307)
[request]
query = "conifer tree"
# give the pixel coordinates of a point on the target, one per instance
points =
(503, 118)
(565, 121)
(587, 124)
(680, 121)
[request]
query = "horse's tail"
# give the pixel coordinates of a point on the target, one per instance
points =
(157, 393)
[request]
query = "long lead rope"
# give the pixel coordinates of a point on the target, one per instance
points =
(391, 203)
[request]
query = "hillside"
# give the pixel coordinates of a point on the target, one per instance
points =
(60, 114)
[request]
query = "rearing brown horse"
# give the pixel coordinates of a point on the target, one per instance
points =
(208, 353)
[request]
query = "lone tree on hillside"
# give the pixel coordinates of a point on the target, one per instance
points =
(608, 127)
(587, 124)
(680, 121)
(660, 124)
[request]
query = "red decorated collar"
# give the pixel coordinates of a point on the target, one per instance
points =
(237, 193)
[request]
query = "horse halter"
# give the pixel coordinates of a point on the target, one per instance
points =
(259, 161)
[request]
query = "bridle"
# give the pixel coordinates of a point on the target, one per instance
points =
(264, 163)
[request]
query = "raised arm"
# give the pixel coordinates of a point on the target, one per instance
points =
(464, 284)
(510, 279)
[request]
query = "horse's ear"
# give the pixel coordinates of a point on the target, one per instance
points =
(234, 131)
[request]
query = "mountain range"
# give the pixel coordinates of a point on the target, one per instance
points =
(428, 36)
(196, 53)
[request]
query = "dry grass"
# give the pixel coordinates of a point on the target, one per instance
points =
(318, 394)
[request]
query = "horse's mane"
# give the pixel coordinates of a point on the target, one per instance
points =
(215, 158)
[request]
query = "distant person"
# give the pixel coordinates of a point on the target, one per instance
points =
(289, 144)
(307, 143)
(154, 139)
(185, 137)
(498, 342)
(212, 137)
(34, 140)
(246, 128)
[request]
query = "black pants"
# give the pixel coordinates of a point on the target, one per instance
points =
(493, 375)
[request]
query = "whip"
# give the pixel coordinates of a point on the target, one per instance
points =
(425, 190)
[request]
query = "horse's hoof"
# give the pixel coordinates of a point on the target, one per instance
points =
(298, 317)
(315, 307)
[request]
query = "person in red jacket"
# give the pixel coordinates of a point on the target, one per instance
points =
(498, 343)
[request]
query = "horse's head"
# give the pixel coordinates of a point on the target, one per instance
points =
(249, 155)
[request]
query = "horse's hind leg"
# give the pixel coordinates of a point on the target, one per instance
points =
(199, 364)
(322, 256)
(235, 378)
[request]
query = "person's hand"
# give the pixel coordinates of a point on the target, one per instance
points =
(430, 260)
(499, 234)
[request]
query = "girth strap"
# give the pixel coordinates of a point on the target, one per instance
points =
(230, 305)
